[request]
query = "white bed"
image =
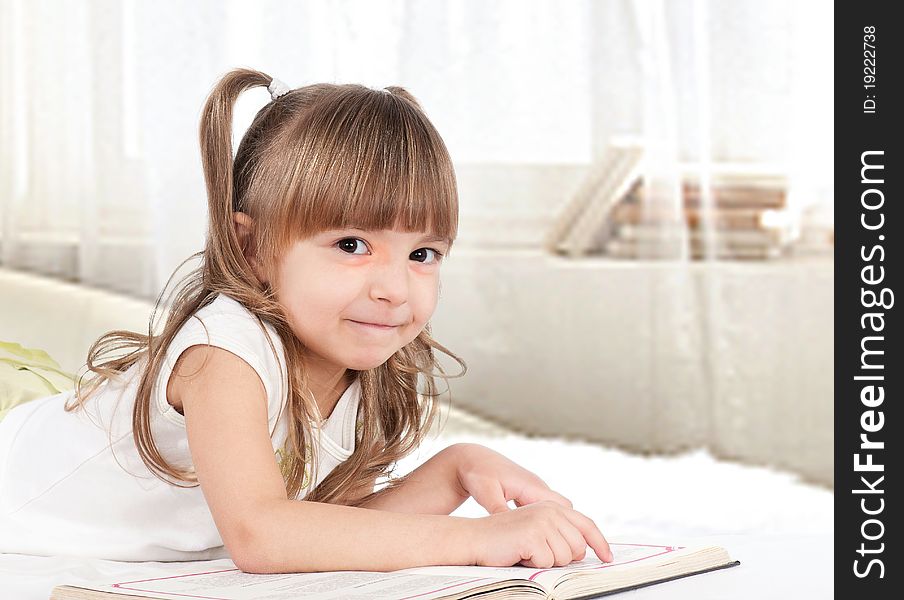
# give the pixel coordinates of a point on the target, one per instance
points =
(778, 527)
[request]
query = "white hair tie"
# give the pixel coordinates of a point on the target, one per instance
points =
(277, 88)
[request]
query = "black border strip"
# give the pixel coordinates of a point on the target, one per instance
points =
(867, 45)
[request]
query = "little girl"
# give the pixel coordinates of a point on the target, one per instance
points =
(284, 382)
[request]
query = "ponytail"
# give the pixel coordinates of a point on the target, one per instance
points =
(215, 133)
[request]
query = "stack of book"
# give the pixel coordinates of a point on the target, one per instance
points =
(744, 217)
(740, 213)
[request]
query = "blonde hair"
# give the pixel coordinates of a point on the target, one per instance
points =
(320, 157)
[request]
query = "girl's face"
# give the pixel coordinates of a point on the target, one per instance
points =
(355, 297)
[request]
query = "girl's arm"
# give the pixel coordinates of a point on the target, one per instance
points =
(431, 489)
(225, 409)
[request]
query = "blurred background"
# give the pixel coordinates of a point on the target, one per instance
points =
(645, 257)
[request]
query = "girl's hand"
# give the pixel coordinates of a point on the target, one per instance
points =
(541, 536)
(492, 480)
(544, 531)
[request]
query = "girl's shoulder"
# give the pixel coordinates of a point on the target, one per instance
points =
(228, 324)
(229, 317)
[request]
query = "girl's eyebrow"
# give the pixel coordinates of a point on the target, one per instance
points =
(433, 238)
(426, 238)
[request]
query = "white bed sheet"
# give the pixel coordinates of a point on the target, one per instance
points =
(778, 527)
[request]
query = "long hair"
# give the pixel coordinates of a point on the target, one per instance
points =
(320, 157)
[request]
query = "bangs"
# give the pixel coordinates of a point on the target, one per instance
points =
(371, 160)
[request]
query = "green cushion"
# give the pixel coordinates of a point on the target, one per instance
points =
(27, 374)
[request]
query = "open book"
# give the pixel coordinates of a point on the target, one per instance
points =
(635, 565)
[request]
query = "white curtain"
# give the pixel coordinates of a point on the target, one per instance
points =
(100, 181)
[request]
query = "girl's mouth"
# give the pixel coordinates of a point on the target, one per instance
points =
(374, 326)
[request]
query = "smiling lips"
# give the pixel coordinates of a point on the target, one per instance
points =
(374, 325)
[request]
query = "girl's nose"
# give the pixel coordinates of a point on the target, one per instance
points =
(389, 281)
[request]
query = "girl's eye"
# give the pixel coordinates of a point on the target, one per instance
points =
(350, 243)
(437, 255)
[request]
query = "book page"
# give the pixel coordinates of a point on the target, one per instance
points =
(624, 554)
(426, 583)
(233, 584)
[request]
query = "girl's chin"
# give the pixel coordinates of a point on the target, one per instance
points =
(366, 363)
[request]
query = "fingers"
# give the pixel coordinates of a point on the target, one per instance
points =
(492, 498)
(543, 557)
(592, 534)
(561, 541)
(577, 545)
(560, 549)
(532, 495)
(566, 543)
(559, 536)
